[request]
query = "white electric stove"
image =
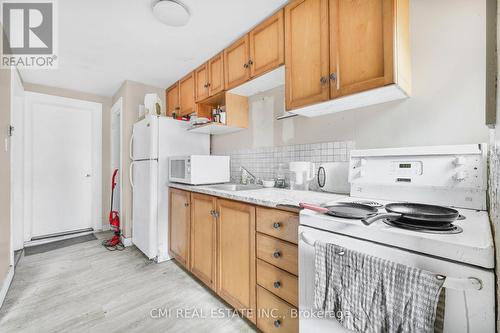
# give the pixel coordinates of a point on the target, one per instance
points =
(452, 176)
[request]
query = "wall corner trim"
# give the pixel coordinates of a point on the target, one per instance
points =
(6, 284)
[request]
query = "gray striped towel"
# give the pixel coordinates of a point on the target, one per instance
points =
(368, 294)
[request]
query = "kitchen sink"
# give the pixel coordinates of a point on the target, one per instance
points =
(236, 187)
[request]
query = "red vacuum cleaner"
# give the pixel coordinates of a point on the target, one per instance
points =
(114, 243)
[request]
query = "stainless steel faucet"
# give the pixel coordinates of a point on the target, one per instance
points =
(247, 176)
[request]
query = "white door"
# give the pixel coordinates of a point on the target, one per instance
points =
(144, 214)
(145, 139)
(63, 172)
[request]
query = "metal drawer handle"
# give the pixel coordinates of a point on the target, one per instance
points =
(277, 284)
(277, 254)
(277, 323)
(276, 225)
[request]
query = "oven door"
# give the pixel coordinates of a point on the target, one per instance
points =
(466, 309)
(179, 170)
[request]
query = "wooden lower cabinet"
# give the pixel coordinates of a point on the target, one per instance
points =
(203, 238)
(217, 241)
(274, 314)
(179, 227)
(236, 255)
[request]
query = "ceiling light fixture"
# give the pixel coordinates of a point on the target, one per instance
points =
(171, 12)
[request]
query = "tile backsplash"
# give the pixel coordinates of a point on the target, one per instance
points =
(264, 162)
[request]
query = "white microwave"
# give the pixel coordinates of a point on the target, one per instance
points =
(199, 169)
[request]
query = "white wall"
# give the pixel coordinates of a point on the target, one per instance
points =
(447, 106)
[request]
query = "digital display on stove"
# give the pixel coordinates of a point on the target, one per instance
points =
(405, 165)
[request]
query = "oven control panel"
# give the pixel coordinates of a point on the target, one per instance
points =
(448, 173)
(405, 168)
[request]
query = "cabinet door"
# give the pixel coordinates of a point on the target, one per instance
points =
(186, 94)
(173, 99)
(236, 68)
(361, 43)
(216, 74)
(201, 82)
(306, 53)
(267, 48)
(179, 225)
(236, 254)
(203, 241)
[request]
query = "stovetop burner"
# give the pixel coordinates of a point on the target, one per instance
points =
(448, 229)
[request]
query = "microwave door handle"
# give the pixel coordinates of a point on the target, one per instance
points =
(130, 175)
(130, 147)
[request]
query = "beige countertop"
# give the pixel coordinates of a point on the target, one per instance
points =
(269, 197)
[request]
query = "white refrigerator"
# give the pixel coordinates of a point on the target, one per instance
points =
(153, 141)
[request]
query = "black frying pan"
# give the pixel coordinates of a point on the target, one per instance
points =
(417, 214)
(346, 210)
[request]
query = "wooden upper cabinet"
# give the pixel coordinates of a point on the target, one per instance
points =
(179, 225)
(201, 82)
(306, 53)
(203, 239)
(216, 74)
(172, 96)
(186, 94)
(236, 254)
(361, 45)
(267, 48)
(236, 63)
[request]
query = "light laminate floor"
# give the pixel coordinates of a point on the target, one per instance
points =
(85, 288)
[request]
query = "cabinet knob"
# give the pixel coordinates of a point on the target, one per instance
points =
(250, 62)
(186, 204)
(245, 65)
(323, 80)
(277, 284)
(276, 225)
(277, 323)
(277, 254)
(208, 84)
(333, 77)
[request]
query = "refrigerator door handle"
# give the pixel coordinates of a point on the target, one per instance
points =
(130, 175)
(131, 146)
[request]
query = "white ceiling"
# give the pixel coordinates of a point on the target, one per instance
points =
(104, 42)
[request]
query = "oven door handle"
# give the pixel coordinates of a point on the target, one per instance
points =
(306, 239)
(470, 283)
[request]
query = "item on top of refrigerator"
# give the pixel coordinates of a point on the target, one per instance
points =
(153, 104)
(196, 121)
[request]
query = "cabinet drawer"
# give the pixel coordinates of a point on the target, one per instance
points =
(275, 315)
(277, 252)
(279, 282)
(278, 223)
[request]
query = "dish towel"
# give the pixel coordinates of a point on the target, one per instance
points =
(369, 294)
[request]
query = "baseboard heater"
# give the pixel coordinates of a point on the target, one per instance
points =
(59, 234)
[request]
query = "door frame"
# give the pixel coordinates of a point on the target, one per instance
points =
(117, 110)
(17, 185)
(96, 199)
